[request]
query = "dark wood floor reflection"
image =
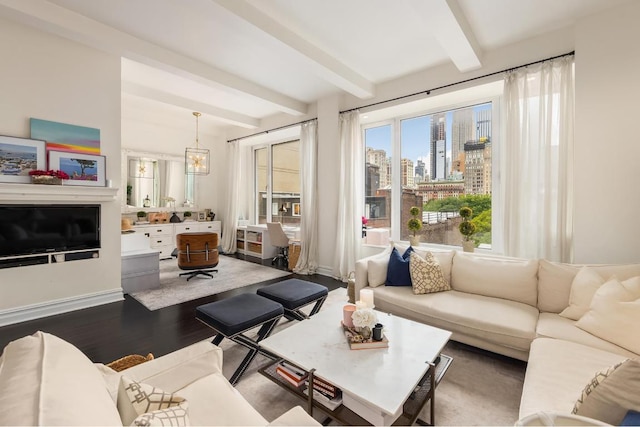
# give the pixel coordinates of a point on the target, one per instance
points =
(110, 331)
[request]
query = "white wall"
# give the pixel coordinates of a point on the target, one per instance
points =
(607, 145)
(55, 79)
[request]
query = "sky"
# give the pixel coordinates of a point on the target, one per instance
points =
(415, 135)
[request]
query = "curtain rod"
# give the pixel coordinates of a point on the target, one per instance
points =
(272, 130)
(428, 91)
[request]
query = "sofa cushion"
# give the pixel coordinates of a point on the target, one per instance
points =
(444, 257)
(557, 373)
(214, 401)
(398, 269)
(552, 325)
(139, 399)
(426, 274)
(614, 314)
(47, 381)
(611, 393)
(501, 277)
(495, 320)
(583, 288)
(555, 280)
(377, 271)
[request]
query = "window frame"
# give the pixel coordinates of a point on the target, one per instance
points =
(396, 161)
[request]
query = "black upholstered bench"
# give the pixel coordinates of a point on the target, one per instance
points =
(232, 317)
(294, 294)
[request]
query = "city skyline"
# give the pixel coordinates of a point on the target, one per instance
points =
(416, 136)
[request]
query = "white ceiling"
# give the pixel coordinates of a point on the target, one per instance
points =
(240, 61)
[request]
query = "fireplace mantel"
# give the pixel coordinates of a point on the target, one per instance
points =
(55, 193)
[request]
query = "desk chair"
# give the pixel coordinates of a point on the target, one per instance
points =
(197, 252)
(280, 240)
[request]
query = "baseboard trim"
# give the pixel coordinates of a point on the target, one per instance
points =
(324, 271)
(50, 308)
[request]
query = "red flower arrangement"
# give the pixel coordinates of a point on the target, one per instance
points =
(51, 173)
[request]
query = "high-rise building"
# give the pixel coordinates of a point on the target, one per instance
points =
(462, 130)
(483, 125)
(407, 173)
(438, 150)
(379, 158)
(420, 170)
(477, 176)
(372, 179)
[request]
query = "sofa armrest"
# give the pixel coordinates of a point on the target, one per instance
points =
(295, 416)
(180, 368)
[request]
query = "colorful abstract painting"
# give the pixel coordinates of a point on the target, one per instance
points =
(64, 137)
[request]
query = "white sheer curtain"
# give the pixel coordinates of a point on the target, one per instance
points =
(351, 196)
(308, 259)
(230, 223)
(538, 161)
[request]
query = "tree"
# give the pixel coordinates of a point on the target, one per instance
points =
(84, 164)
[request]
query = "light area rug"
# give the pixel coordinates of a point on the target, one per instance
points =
(232, 273)
(480, 388)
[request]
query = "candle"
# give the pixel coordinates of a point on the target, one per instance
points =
(347, 312)
(366, 296)
(360, 305)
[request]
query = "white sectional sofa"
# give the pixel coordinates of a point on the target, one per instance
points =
(512, 307)
(44, 380)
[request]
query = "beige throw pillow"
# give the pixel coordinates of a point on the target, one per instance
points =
(377, 271)
(426, 274)
(611, 393)
(614, 314)
(145, 405)
(583, 288)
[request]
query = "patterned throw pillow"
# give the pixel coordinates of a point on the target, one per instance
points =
(611, 393)
(154, 407)
(426, 274)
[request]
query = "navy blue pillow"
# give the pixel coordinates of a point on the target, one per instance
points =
(398, 270)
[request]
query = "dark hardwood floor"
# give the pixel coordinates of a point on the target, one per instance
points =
(110, 331)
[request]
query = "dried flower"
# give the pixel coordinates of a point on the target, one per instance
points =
(53, 173)
(364, 318)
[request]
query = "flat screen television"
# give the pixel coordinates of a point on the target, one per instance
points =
(37, 229)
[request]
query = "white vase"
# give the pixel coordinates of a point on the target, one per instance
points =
(468, 245)
(414, 240)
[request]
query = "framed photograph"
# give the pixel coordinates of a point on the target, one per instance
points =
(296, 209)
(19, 156)
(83, 169)
(202, 216)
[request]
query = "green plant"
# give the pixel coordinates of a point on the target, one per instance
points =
(415, 224)
(466, 227)
(187, 214)
(141, 214)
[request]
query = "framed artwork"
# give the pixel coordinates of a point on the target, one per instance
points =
(19, 156)
(296, 209)
(83, 169)
(202, 216)
(64, 137)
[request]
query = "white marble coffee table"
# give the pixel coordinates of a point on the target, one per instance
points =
(375, 383)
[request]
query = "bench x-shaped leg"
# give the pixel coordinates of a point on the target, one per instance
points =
(252, 345)
(298, 314)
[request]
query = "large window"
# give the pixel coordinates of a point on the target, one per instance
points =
(277, 181)
(438, 161)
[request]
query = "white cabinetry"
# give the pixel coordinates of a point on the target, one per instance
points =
(254, 240)
(163, 236)
(160, 237)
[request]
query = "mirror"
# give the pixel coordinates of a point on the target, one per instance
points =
(156, 180)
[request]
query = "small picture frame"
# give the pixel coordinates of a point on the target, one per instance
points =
(83, 169)
(202, 216)
(19, 156)
(295, 211)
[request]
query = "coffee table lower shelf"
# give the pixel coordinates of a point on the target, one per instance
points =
(346, 416)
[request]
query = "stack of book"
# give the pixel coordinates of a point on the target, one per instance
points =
(325, 393)
(294, 375)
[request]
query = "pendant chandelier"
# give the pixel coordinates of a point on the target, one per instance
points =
(196, 160)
